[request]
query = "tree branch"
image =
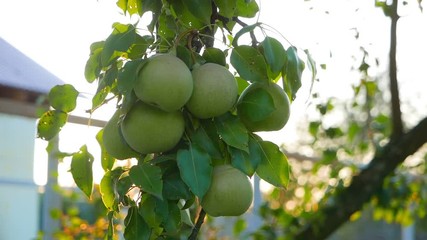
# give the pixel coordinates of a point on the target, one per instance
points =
(365, 185)
(394, 88)
(196, 229)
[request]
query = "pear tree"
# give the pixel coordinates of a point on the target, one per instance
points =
(191, 91)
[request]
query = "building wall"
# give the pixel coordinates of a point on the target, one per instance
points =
(19, 202)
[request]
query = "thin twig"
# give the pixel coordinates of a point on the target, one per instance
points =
(252, 34)
(106, 101)
(196, 229)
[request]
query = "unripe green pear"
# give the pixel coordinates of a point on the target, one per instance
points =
(164, 81)
(276, 120)
(215, 91)
(113, 141)
(147, 129)
(230, 192)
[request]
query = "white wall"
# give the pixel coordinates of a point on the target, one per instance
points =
(19, 213)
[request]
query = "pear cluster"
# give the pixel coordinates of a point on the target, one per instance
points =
(229, 182)
(164, 87)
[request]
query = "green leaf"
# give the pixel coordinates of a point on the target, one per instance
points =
(140, 46)
(201, 9)
(273, 167)
(312, 65)
(148, 177)
(232, 131)
(186, 217)
(387, 8)
(242, 84)
(123, 185)
(257, 104)
(240, 160)
(255, 151)
(129, 99)
(174, 188)
(202, 139)
(292, 73)
(249, 63)
(313, 128)
(107, 189)
(242, 31)
(334, 132)
(105, 85)
(139, 7)
(120, 40)
(185, 16)
(128, 75)
(247, 9)
(239, 226)
(81, 170)
(167, 30)
(329, 155)
(93, 64)
(173, 222)
(154, 6)
(188, 203)
(153, 210)
(195, 168)
(50, 124)
(135, 226)
(107, 162)
(214, 55)
(185, 55)
(212, 132)
(353, 130)
(247, 162)
(63, 97)
(275, 55)
(123, 5)
(226, 7)
(134, 7)
(99, 98)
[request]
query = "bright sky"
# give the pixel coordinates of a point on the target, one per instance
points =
(57, 34)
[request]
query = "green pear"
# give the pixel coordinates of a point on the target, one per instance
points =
(230, 192)
(164, 81)
(113, 141)
(215, 91)
(148, 129)
(250, 100)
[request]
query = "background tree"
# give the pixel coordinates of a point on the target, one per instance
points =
(358, 161)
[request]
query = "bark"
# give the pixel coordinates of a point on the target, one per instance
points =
(394, 88)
